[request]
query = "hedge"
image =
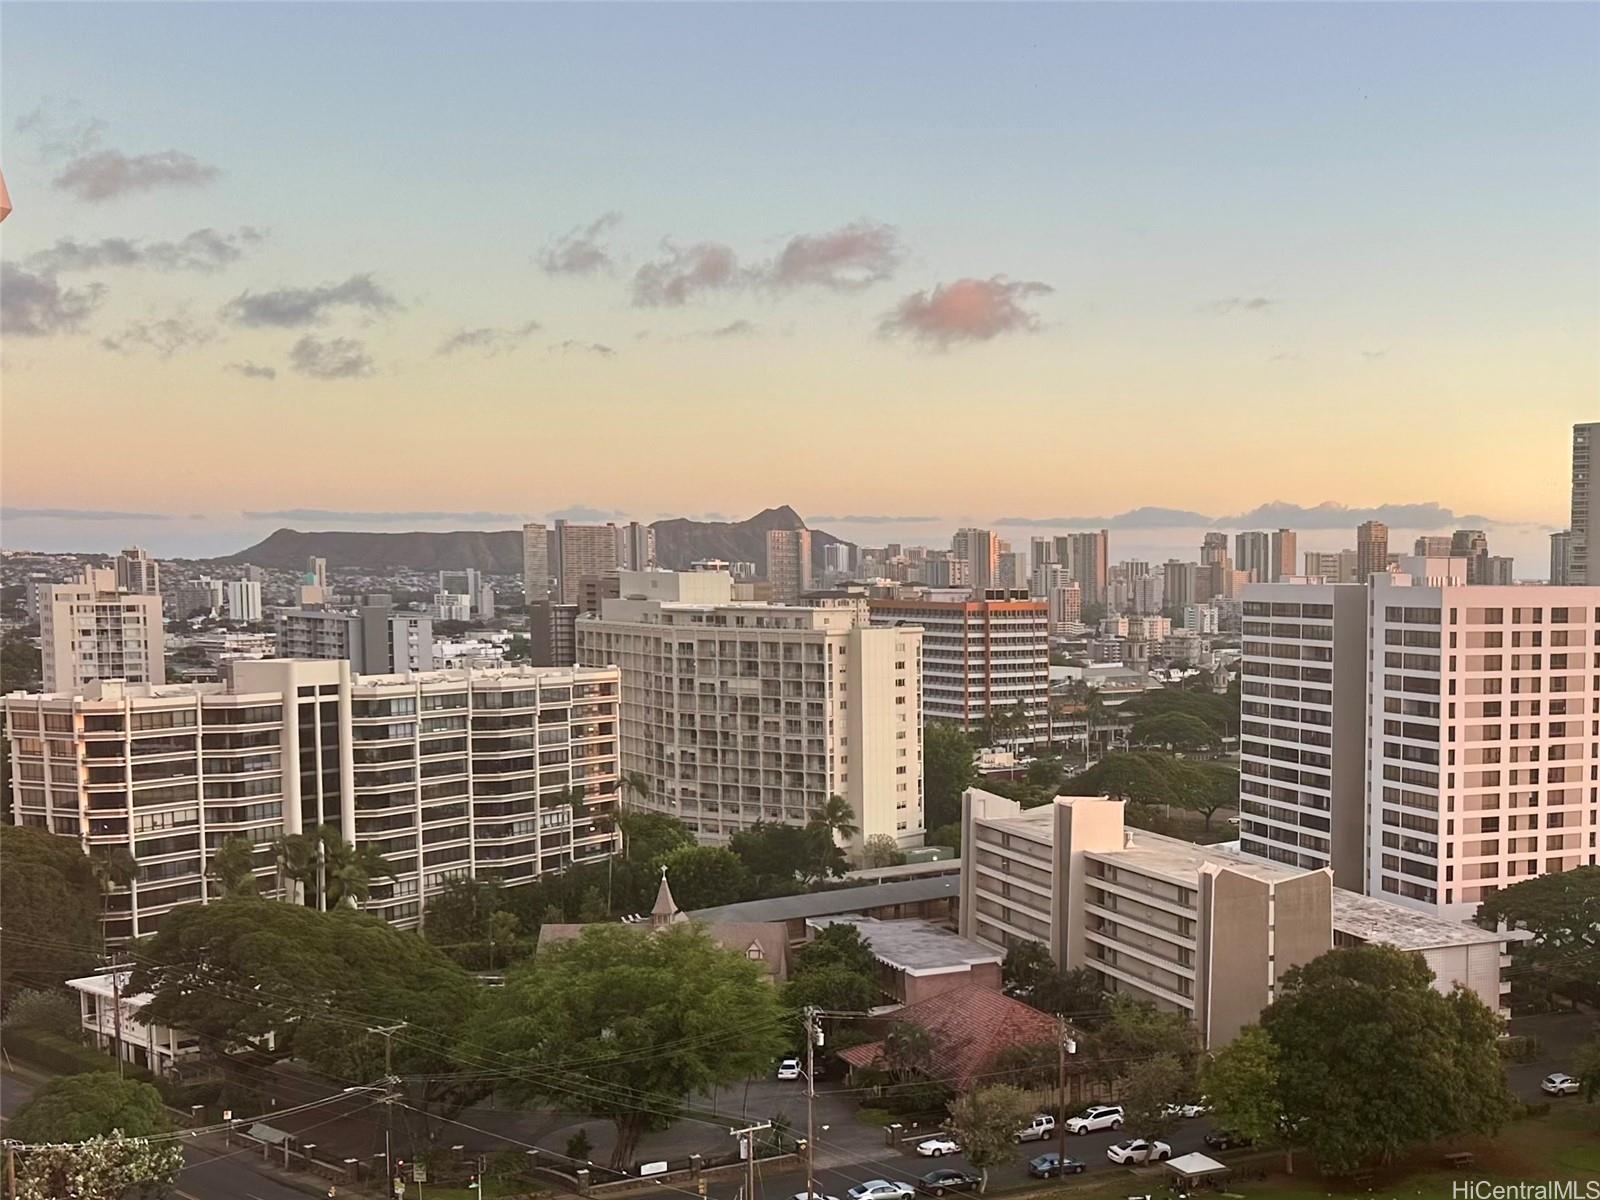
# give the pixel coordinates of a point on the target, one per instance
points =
(56, 1053)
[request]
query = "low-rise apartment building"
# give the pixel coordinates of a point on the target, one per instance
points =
(739, 712)
(507, 772)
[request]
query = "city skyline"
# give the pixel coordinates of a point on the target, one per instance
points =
(467, 248)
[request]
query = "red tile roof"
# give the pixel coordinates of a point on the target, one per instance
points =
(970, 1026)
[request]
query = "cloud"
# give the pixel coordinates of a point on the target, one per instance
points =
(854, 519)
(202, 250)
(106, 174)
(1371, 354)
(846, 259)
(78, 514)
(490, 341)
(295, 308)
(60, 129)
(734, 329)
(583, 513)
(36, 305)
(344, 517)
(252, 370)
(337, 358)
(968, 310)
(1331, 515)
(599, 348)
(167, 336)
(580, 251)
(1234, 304)
(1286, 356)
(683, 271)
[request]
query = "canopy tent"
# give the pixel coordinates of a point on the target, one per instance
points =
(1196, 1166)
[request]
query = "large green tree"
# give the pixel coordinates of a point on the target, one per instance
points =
(1172, 730)
(73, 1108)
(705, 877)
(985, 1122)
(51, 903)
(1372, 1060)
(622, 1023)
(1148, 1089)
(948, 769)
(1136, 1031)
(1561, 911)
(1241, 1082)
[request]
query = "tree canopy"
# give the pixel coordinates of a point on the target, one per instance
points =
(948, 769)
(985, 1122)
(706, 876)
(1372, 1060)
(51, 901)
(74, 1108)
(622, 1023)
(1241, 1081)
(1562, 912)
(1175, 730)
(1147, 778)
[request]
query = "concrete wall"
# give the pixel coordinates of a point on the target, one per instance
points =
(1234, 981)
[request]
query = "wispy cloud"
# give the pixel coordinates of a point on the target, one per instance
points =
(104, 175)
(60, 128)
(857, 519)
(967, 310)
(572, 345)
(580, 251)
(584, 513)
(1139, 518)
(1239, 304)
(488, 340)
(336, 358)
(683, 271)
(295, 308)
(1372, 354)
(36, 305)
(166, 336)
(734, 329)
(203, 250)
(358, 517)
(78, 514)
(251, 370)
(847, 259)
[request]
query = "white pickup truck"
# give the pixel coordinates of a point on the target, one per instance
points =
(1036, 1130)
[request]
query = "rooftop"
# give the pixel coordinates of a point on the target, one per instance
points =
(835, 901)
(1375, 920)
(915, 947)
(1174, 857)
(971, 1026)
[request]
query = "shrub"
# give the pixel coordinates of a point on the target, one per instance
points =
(53, 1052)
(579, 1146)
(46, 1012)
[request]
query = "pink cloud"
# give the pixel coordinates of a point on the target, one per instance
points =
(968, 310)
(846, 259)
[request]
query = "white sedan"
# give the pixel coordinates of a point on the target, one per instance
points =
(1187, 1110)
(882, 1189)
(938, 1147)
(1137, 1150)
(789, 1068)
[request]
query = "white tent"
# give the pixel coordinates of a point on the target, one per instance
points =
(1195, 1166)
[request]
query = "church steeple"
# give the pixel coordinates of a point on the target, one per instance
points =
(666, 909)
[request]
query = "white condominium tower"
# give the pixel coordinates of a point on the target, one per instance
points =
(1473, 768)
(734, 713)
(506, 773)
(94, 630)
(1584, 439)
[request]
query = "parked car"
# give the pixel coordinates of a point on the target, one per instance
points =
(1101, 1116)
(881, 1189)
(938, 1147)
(1187, 1109)
(1560, 1084)
(812, 1196)
(1137, 1150)
(1040, 1127)
(948, 1179)
(1218, 1140)
(1049, 1166)
(789, 1068)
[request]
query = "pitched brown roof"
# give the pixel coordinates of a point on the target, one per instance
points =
(771, 939)
(970, 1027)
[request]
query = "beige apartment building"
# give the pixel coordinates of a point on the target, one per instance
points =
(1198, 930)
(581, 550)
(94, 630)
(1579, 530)
(507, 772)
(788, 564)
(739, 712)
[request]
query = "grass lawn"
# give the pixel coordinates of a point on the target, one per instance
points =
(1564, 1145)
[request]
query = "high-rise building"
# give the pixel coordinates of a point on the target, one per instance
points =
(242, 600)
(1043, 550)
(1561, 557)
(735, 713)
(203, 597)
(1252, 552)
(1283, 555)
(1372, 549)
(1088, 560)
(638, 546)
(138, 573)
(1432, 546)
(1013, 569)
(535, 563)
(434, 770)
(983, 654)
(789, 564)
(1066, 605)
(979, 549)
(319, 633)
(1181, 585)
(583, 550)
(552, 633)
(1584, 437)
(1472, 545)
(92, 630)
(394, 641)
(838, 561)
(1213, 548)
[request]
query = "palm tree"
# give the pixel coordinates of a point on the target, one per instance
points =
(233, 867)
(838, 818)
(113, 867)
(350, 870)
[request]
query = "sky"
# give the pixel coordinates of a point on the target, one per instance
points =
(456, 265)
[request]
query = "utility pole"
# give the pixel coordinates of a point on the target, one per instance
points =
(116, 1007)
(1064, 1046)
(389, 1082)
(322, 873)
(748, 1134)
(813, 1018)
(11, 1171)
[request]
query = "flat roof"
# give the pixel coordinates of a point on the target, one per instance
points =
(915, 947)
(1376, 920)
(835, 900)
(1162, 855)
